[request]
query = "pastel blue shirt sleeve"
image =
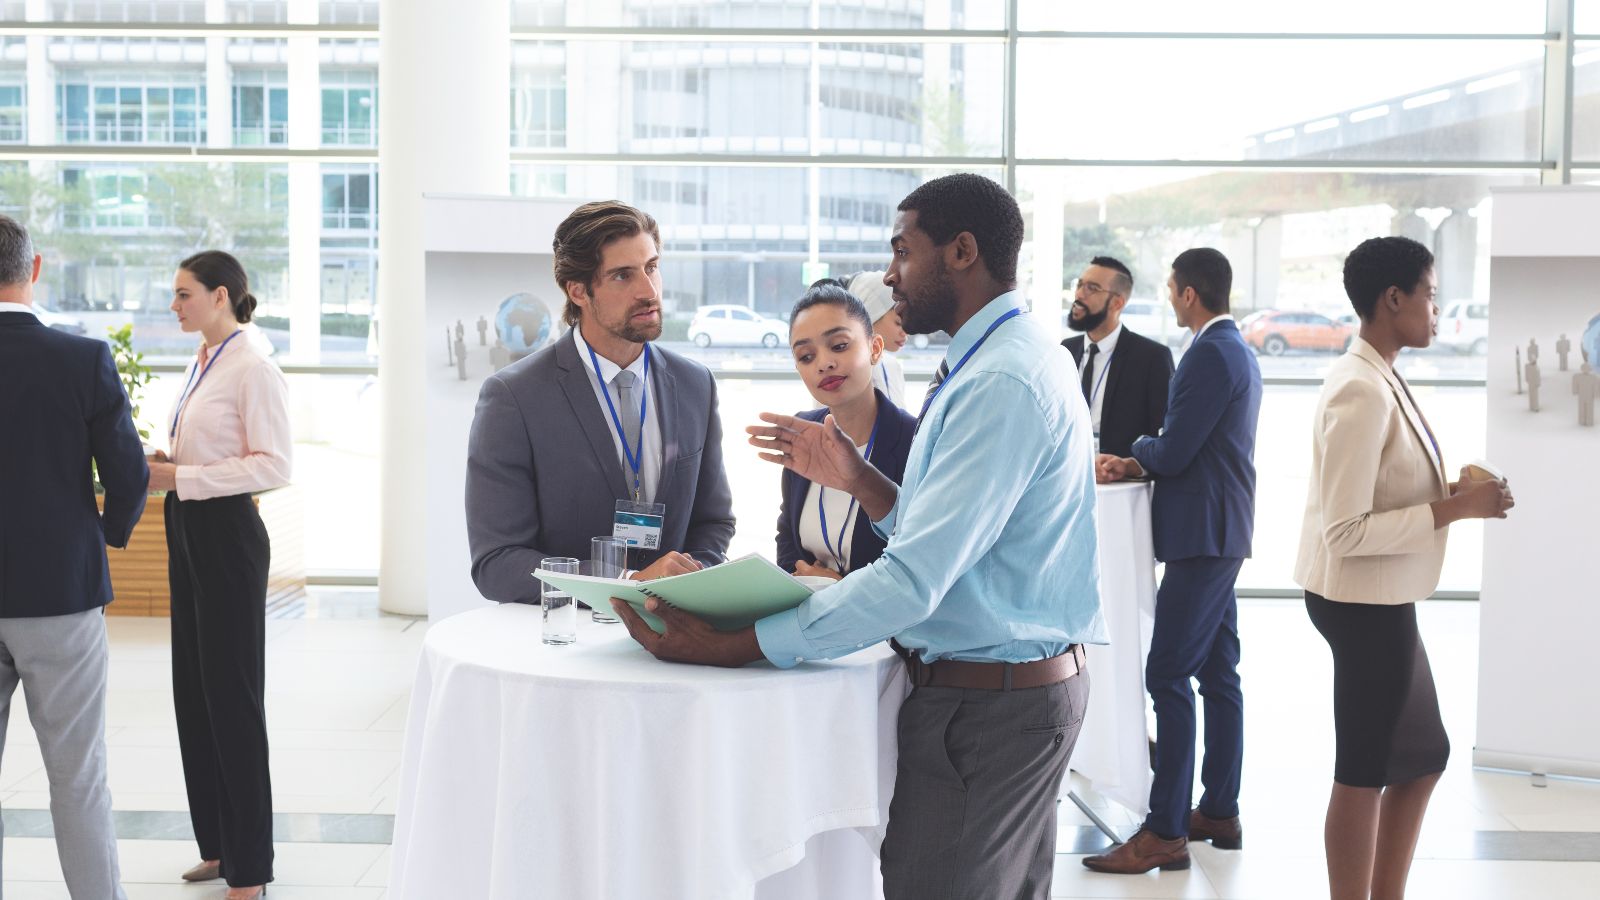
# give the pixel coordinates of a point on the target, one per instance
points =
(885, 526)
(982, 439)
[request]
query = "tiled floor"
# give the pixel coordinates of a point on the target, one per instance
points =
(338, 684)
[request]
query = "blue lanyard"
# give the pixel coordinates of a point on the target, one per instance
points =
(883, 369)
(822, 506)
(635, 457)
(1015, 311)
(193, 384)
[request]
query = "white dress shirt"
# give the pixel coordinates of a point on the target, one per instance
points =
(18, 307)
(889, 376)
(1102, 359)
(650, 427)
(841, 515)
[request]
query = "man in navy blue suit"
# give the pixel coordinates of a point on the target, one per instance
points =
(1203, 464)
(61, 407)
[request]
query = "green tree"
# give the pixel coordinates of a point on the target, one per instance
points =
(1079, 245)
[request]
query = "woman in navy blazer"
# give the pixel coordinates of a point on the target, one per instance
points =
(822, 532)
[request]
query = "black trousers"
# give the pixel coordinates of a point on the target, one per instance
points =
(974, 809)
(217, 564)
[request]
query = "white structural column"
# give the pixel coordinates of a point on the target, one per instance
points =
(305, 191)
(41, 81)
(1049, 231)
(444, 79)
(219, 86)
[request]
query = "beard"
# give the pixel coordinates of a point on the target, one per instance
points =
(635, 334)
(932, 307)
(1090, 320)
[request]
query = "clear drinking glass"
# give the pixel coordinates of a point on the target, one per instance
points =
(608, 556)
(560, 610)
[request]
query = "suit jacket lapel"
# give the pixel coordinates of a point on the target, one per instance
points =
(1113, 378)
(1074, 346)
(672, 411)
(1419, 428)
(591, 418)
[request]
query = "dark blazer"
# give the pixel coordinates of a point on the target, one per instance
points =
(1204, 460)
(1134, 397)
(61, 406)
(896, 428)
(543, 476)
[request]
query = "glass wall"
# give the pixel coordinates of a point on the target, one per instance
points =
(1282, 134)
(113, 229)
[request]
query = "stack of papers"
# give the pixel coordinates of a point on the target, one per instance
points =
(729, 596)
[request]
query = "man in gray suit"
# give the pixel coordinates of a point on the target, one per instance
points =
(599, 418)
(61, 406)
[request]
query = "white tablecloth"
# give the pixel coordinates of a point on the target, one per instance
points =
(1113, 750)
(595, 771)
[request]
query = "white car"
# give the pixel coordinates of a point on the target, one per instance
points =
(723, 324)
(1464, 326)
(1153, 319)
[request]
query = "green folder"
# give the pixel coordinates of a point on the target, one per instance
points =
(730, 596)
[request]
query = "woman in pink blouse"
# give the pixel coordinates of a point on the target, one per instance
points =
(229, 434)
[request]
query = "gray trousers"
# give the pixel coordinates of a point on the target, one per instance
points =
(61, 663)
(974, 809)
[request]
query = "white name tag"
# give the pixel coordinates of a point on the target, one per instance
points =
(639, 524)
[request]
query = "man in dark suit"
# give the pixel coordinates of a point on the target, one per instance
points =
(62, 407)
(1204, 511)
(600, 416)
(1124, 374)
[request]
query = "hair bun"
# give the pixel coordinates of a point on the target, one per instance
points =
(246, 307)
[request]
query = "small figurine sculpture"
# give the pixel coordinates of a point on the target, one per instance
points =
(483, 333)
(1519, 369)
(1533, 347)
(450, 358)
(1563, 347)
(1531, 370)
(461, 356)
(1586, 384)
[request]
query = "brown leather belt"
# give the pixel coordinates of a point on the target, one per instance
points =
(992, 676)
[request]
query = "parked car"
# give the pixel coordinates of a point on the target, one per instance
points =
(60, 321)
(729, 324)
(1464, 326)
(1277, 331)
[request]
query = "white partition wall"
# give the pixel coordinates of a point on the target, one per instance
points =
(486, 258)
(1538, 692)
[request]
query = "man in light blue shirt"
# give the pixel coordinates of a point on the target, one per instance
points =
(989, 583)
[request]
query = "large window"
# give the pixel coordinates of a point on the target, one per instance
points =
(349, 107)
(1281, 133)
(157, 123)
(130, 107)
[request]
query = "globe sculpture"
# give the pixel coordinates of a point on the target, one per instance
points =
(523, 324)
(1591, 342)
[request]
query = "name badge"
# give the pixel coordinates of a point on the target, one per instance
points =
(639, 524)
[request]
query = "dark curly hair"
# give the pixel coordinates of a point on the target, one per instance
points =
(1377, 264)
(947, 206)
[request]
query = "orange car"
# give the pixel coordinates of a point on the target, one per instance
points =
(1277, 331)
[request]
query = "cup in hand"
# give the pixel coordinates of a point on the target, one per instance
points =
(608, 556)
(560, 610)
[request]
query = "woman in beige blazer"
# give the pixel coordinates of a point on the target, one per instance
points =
(1372, 545)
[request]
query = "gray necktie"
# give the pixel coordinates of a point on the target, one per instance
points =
(629, 410)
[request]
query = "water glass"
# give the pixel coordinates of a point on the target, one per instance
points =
(608, 556)
(560, 610)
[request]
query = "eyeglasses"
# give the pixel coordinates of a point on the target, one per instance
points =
(1089, 288)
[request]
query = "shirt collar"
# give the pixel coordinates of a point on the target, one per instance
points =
(1108, 344)
(968, 335)
(1203, 328)
(608, 369)
(18, 307)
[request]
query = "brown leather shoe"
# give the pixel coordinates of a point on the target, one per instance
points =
(1141, 853)
(1224, 834)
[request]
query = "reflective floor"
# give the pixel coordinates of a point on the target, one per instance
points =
(339, 676)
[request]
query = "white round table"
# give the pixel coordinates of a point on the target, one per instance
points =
(594, 770)
(1113, 750)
